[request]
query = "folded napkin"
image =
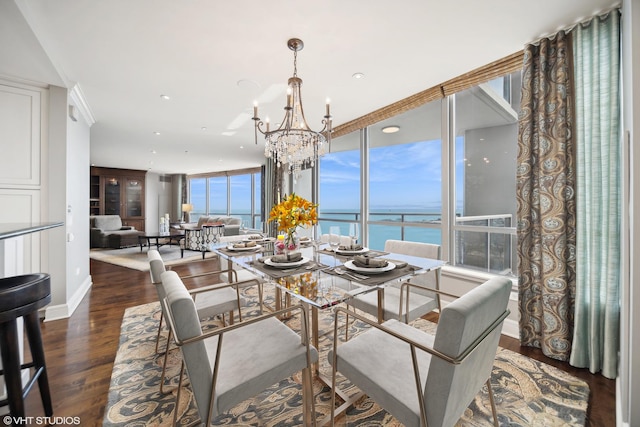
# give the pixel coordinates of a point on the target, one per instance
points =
(366, 262)
(398, 263)
(355, 247)
(290, 257)
(305, 239)
(256, 237)
(244, 245)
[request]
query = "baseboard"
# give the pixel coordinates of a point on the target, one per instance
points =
(64, 311)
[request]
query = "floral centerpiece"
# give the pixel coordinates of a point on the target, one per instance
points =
(292, 212)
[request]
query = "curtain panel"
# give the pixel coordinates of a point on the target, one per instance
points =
(545, 195)
(596, 46)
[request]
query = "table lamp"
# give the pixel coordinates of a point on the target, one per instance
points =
(186, 208)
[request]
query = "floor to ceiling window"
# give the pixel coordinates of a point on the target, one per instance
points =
(339, 190)
(485, 144)
(218, 203)
(452, 186)
(233, 193)
(405, 170)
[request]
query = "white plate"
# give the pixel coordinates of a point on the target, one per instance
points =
(250, 248)
(303, 261)
(352, 252)
(370, 270)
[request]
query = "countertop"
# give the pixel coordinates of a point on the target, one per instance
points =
(9, 230)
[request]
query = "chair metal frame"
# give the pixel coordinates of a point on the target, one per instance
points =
(194, 293)
(307, 384)
(413, 346)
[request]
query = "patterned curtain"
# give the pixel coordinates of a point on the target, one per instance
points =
(596, 47)
(545, 193)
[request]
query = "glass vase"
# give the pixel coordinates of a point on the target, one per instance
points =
(291, 242)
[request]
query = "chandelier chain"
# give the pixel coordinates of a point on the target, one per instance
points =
(295, 63)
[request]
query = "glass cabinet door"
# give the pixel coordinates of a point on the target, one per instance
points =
(134, 197)
(112, 196)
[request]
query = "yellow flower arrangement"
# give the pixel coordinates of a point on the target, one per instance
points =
(293, 212)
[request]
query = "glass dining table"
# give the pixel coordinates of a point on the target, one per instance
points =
(323, 277)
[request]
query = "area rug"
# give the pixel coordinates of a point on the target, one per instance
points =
(136, 259)
(527, 392)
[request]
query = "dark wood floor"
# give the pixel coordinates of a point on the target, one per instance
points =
(80, 351)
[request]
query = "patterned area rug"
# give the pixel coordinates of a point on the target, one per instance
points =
(136, 259)
(527, 392)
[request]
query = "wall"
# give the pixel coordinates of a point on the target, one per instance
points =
(78, 279)
(158, 201)
(628, 383)
(65, 163)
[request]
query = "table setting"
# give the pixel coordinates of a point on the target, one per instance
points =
(241, 247)
(289, 264)
(373, 271)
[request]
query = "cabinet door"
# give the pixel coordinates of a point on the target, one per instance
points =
(112, 195)
(133, 198)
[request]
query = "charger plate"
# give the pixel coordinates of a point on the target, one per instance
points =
(369, 270)
(270, 263)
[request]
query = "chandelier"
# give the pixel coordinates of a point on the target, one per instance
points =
(293, 143)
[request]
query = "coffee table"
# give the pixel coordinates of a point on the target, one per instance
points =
(167, 239)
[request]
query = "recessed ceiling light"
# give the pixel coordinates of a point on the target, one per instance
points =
(166, 97)
(153, 151)
(203, 128)
(391, 129)
(358, 76)
(241, 147)
(156, 133)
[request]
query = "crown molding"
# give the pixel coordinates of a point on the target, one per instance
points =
(78, 98)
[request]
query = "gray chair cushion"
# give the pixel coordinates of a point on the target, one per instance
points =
(450, 388)
(380, 364)
(243, 371)
(421, 301)
(371, 362)
(418, 304)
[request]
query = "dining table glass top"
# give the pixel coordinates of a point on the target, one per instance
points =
(322, 277)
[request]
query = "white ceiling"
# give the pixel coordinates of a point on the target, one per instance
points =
(214, 58)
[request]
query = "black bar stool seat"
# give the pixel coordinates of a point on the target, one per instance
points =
(23, 296)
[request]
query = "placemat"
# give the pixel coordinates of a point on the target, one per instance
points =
(277, 273)
(374, 279)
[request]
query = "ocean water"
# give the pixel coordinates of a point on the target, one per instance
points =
(378, 234)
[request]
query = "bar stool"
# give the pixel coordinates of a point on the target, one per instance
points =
(22, 296)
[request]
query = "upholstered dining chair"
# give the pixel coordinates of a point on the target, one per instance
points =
(413, 298)
(230, 364)
(434, 378)
(212, 300)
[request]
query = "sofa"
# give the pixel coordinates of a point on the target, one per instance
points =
(231, 224)
(107, 231)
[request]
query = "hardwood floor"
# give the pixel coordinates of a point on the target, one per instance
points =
(80, 351)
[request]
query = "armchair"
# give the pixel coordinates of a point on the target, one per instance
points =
(434, 377)
(211, 300)
(107, 231)
(200, 237)
(223, 367)
(413, 299)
